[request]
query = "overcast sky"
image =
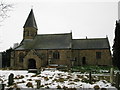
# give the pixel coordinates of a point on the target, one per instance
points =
(91, 18)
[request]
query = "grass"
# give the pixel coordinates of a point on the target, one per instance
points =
(94, 69)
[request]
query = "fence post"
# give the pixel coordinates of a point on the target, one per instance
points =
(90, 77)
(111, 75)
(117, 80)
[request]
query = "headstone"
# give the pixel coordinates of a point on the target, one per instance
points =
(38, 84)
(10, 79)
(2, 86)
(111, 75)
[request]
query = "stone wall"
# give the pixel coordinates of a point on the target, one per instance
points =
(80, 57)
(65, 57)
(41, 57)
(89, 57)
(15, 59)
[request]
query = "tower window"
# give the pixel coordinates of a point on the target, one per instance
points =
(98, 55)
(56, 55)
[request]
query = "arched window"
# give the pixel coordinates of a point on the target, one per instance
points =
(56, 55)
(21, 56)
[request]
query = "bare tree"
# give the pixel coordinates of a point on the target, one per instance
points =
(4, 9)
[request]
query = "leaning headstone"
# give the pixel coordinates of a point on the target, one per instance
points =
(111, 75)
(117, 80)
(10, 79)
(38, 84)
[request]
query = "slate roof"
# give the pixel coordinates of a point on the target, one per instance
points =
(59, 41)
(30, 22)
(63, 41)
(47, 41)
(97, 43)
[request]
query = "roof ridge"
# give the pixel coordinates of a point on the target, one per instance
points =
(90, 39)
(54, 34)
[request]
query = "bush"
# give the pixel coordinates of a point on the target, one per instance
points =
(65, 88)
(94, 69)
(76, 80)
(33, 75)
(58, 87)
(42, 86)
(96, 87)
(46, 78)
(29, 84)
(61, 80)
(47, 87)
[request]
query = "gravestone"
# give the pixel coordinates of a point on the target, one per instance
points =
(38, 84)
(2, 86)
(10, 79)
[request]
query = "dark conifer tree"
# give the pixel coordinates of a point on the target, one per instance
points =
(6, 56)
(116, 46)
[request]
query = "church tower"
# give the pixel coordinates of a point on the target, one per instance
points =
(30, 27)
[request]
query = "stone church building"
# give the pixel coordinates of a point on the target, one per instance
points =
(42, 50)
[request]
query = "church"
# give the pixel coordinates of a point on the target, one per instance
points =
(41, 50)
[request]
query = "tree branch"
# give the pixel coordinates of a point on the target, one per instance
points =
(4, 8)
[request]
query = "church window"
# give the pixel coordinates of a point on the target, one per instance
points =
(83, 60)
(32, 34)
(98, 55)
(21, 56)
(27, 33)
(56, 55)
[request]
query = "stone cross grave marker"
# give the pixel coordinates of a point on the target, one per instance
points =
(38, 83)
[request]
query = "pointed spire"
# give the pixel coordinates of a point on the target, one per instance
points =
(30, 22)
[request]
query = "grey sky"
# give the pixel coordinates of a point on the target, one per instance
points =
(94, 19)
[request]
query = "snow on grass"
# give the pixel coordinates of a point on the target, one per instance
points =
(51, 79)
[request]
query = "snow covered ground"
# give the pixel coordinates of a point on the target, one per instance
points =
(52, 79)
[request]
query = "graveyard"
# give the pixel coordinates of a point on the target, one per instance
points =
(27, 65)
(50, 78)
